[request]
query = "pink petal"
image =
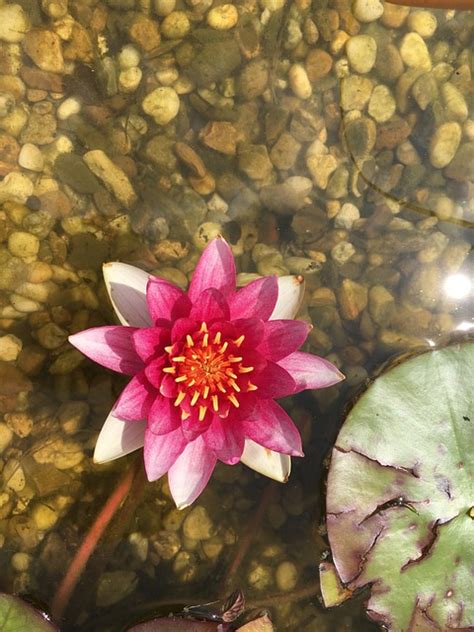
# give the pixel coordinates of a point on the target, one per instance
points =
(272, 428)
(182, 327)
(161, 451)
(126, 286)
(215, 268)
(168, 387)
(225, 439)
(310, 371)
(255, 300)
(191, 426)
(210, 306)
(118, 438)
(135, 400)
(267, 462)
(111, 347)
(282, 337)
(290, 296)
(165, 300)
(273, 382)
(150, 341)
(189, 475)
(163, 416)
(154, 370)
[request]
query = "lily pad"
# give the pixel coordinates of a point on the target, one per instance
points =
(18, 616)
(400, 493)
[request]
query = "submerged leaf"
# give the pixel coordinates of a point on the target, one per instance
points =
(400, 493)
(18, 616)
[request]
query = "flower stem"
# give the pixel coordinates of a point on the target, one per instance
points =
(248, 536)
(91, 539)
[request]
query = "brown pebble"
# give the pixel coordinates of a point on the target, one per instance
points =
(221, 136)
(144, 33)
(318, 64)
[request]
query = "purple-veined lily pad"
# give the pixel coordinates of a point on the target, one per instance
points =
(400, 493)
(18, 616)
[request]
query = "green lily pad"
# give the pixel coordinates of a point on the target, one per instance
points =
(18, 616)
(400, 493)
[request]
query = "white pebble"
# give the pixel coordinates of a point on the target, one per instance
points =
(176, 25)
(414, 52)
(361, 51)
(223, 17)
(382, 105)
(347, 216)
(128, 57)
(422, 22)
(299, 81)
(167, 76)
(286, 576)
(129, 79)
(367, 10)
(162, 104)
(342, 252)
(24, 245)
(68, 107)
(30, 157)
(13, 23)
(444, 144)
(164, 7)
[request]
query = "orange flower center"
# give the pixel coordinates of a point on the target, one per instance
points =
(208, 372)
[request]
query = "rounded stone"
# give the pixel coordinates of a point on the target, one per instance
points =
(444, 144)
(162, 104)
(68, 107)
(422, 22)
(129, 57)
(10, 347)
(44, 516)
(382, 104)
(176, 25)
(318, 64)
(198, 525)
(21, 561)
(361, 51)
(31, 158)
(355, 92)
(129, 79)
(414, 52)
(164, 7)
(223, 17)
(24, 245)
(13, 23)
(6, 435)
(286, 576)
(347, 215)
(367, 10)
(299, 81)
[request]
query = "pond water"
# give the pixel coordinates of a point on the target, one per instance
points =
(327, 138)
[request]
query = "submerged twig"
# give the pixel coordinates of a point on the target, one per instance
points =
(96, 531)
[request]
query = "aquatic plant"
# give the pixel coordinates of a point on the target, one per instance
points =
(206, 367)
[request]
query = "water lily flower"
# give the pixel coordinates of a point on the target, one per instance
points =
(206, 367)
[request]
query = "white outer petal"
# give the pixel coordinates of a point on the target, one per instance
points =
(126, 286)
(118, 438)
(290, 296)
(266, 462)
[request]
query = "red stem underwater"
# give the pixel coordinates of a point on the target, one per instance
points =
(91, 539)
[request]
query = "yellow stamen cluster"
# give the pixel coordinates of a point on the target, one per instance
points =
(208, 372)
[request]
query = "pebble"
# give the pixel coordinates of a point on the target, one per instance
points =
(299, 81)
(162, 104)
(13, 23)
(361, 51)
(342, 252)
(422, 22)
(444, 144)
(260, 576)
(414, 52)
(113, 586)
(111, 175)
(347, 215)
(68, 107)
(287, 197)
(355, 92)
(6, 436)
(286, 576)
(382, 104)
(24, 245)
(15, 187)
(20, 423)
(353, 298)
(454, 102)
(381, 305)
(318, 64)
(10, 347)
(44, 516)
(129, 57)
(129, 79)
(21, 561)
(44, 48)
(197, 524)
(164, 7)
(72, 416)
(223, 17)
(176, 25)
(31, 158)
(255, 162)
(367, 10)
